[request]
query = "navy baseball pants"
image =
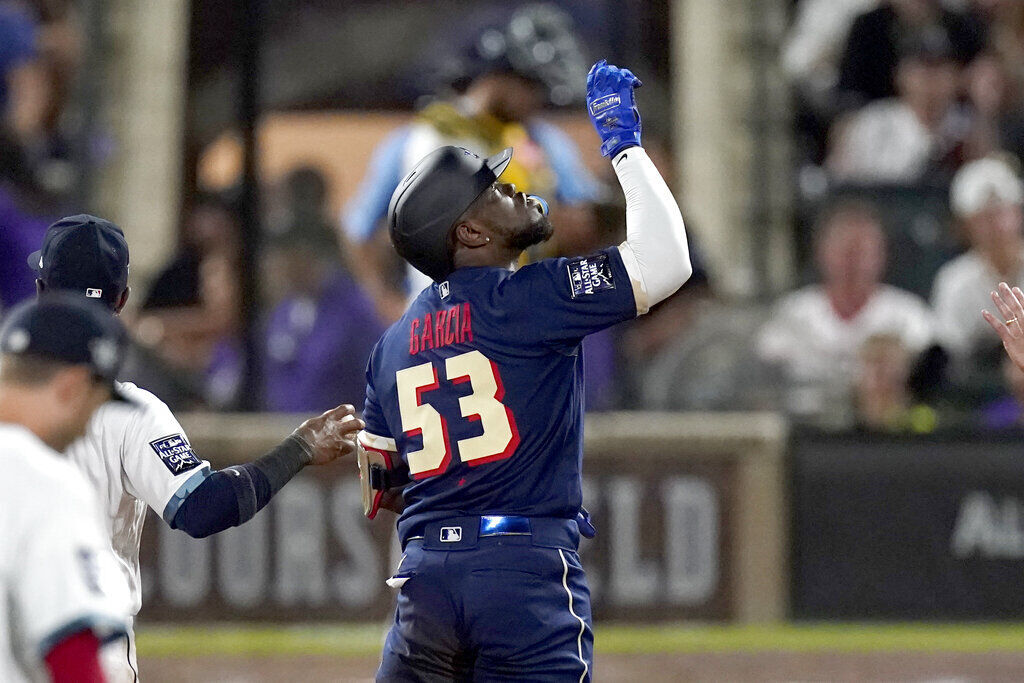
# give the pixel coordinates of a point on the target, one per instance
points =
(478, 606)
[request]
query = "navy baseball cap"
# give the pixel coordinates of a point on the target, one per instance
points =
(84, 254)
(66, 328)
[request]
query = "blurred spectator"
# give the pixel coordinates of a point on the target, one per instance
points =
(319, 336)
(986, 196)
(868, 70)
(882, 394)
(512, 73)
(20, 235)
(692, 352)
(23, 85)
(810, 60)
(40, 46)
(814, 336)
(23, 220)
(997, 110)
(814, 45)
(193, 304)
(898, 140)
(1007, 411)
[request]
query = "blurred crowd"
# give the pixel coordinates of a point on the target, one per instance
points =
(40, 49)
(909, 124)
(909, 130)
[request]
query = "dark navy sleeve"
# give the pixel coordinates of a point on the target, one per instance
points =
(373, 413)
(562, 300)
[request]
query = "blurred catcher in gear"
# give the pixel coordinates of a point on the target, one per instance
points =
(500, 84)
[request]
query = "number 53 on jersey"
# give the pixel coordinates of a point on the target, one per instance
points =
(500, 436)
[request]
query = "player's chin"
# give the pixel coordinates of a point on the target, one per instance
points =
(538, 230)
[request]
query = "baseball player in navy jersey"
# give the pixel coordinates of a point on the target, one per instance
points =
(137, 455)
(475, 405)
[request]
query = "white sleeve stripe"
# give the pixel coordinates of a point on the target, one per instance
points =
(382, 443)
(636, 278)
(106, 628)
(179, 496)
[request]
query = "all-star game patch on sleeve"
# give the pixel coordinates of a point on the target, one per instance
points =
(176, 453)
(564, 299)
(159, 463)
(589, 275)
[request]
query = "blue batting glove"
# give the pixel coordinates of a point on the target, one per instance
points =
(612, 108)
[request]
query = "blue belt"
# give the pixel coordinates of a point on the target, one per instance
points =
(504, 525)
(459, 533)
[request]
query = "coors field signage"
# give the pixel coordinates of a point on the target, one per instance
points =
(668, 511)
(915, 528)
(311, 554)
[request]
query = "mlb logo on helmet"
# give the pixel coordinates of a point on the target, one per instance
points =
(451, 534)
(94, 293)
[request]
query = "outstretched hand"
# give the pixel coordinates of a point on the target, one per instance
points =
(612, 107)
(331, 435)
(1010, 304)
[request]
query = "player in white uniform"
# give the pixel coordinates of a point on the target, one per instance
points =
(138, 455)
(61, 594)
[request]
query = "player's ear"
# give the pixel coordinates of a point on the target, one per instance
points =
(122, 300)
(469, 234)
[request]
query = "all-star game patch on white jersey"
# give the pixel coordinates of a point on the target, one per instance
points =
(134, 456)
(57, 574)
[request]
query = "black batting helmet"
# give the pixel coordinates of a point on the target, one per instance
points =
(431, 198)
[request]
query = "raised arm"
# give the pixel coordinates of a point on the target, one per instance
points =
(655, 252)
(1010, 304)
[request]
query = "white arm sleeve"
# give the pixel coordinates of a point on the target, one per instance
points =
(655, 252)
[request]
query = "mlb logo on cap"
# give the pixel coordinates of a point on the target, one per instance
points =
(84, 254)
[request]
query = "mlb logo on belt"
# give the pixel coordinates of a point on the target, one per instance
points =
(451, 534)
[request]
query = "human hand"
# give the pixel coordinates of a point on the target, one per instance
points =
(331, 435)
(1010, 303)
(612, 107)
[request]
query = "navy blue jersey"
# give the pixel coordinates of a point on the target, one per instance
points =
(480, 386)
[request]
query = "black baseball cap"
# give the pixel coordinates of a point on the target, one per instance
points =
(431, 198)
(84, 254)
(66, 328)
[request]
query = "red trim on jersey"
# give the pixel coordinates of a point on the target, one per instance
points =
(76, 659)
(444, 429)
(375, 508)
(499, 394)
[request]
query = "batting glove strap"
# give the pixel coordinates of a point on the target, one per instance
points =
(612, 107)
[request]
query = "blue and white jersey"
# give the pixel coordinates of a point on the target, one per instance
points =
(134, 456)
(478, 388)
